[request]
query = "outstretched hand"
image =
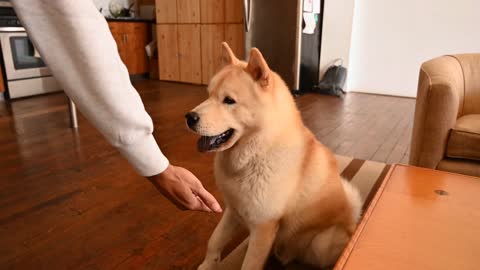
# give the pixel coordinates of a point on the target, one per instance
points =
(184, 190)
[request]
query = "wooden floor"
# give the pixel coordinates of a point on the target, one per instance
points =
(68, 200)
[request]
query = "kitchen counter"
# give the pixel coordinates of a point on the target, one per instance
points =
(131, 36)
(130, 19)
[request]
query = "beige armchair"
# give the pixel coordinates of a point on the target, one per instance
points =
(446, 129)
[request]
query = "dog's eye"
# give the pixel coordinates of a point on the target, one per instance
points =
(229, 100)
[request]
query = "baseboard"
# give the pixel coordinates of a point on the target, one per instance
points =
(378, 94)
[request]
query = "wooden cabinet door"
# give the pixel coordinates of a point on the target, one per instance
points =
(233, 11)
(212, 37)
(212, 11)
(188, 11)
(121, 46)
(167, 52)
(2, 82)
(166, 11)
(136, 39)
(118, 34)
(189, 53)
(234, 36)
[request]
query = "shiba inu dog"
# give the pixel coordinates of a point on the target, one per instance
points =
(278, 181)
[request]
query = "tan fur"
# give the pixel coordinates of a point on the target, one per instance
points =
(278, 181)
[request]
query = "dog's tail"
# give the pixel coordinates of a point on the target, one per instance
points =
(354, 198)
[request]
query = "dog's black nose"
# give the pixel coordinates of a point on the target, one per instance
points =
(192, 119)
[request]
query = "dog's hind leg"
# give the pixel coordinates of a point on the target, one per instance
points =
(326, 247)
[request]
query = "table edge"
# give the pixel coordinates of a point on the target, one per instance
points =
(342, 260)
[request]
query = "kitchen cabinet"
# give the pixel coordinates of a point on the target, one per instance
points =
(131, 38)
(137, 38)
(189, 58)
(212, 11)
(233, 11)
(190, 33)
(2, 82)
(188, 11)
(179, 53)
(119, 37)
(212, 37)
(168, 52)
(166, 11)
(234, 36)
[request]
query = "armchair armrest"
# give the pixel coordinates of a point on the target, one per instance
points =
(440, 93)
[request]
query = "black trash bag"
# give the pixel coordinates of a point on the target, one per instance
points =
(333, 80)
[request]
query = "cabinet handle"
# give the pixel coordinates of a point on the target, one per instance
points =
(126, 38)
(247, 10)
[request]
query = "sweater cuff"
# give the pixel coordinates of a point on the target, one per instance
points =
(145, 156)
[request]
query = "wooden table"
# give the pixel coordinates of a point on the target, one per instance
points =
(419, 219)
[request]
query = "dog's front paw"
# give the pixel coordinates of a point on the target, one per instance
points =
(208, 265)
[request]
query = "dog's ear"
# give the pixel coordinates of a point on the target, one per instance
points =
(228, 58)
(257, 67)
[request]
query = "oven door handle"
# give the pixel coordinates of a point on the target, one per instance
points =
(12, 29)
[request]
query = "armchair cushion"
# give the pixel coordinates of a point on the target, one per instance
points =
(464, 141)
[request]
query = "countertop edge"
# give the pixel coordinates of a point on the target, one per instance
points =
(139, 20)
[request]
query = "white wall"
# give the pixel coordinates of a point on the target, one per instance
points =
(391, 38)
(336, 32)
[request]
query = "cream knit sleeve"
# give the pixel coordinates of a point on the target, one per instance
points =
(75, 42)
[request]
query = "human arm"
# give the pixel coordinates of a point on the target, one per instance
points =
(74, 41)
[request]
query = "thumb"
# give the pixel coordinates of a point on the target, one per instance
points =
(208, 199)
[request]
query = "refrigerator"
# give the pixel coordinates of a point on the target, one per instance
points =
(275, 27)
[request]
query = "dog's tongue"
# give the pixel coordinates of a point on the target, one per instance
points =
(205, 143)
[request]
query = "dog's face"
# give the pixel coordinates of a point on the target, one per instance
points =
(237, 98)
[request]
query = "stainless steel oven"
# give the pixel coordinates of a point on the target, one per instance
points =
(26, 73)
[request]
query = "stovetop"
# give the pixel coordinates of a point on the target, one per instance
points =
(8, 17)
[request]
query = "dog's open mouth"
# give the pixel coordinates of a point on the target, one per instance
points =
(209, 143)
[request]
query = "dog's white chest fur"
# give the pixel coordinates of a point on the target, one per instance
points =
(255, 190)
